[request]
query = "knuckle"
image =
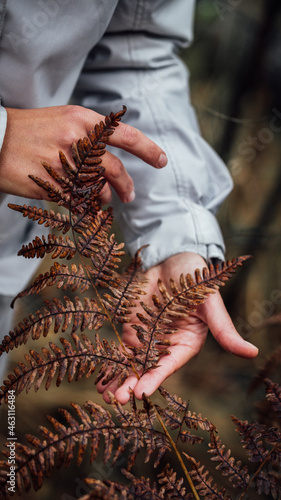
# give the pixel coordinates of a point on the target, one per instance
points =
(73, 118)
(130, 135)
(72, 112)
(115, 169)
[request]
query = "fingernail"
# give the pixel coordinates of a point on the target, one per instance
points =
(162, 160)
(131, 197)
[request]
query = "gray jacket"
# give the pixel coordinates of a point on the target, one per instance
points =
(103, 54)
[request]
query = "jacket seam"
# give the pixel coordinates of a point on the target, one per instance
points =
(161, 133)
(2, 15)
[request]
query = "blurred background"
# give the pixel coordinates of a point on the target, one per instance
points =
(235, 78)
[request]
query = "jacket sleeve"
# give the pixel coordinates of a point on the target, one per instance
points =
(136, 64)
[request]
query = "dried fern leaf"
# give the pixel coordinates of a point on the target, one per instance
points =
(54, 193)
(106, 490)
(62, 247)
(141, 423)
(273, 395)
(267, 483)
(94, 232)
(58, 447)
(172, 487)
(55, 315)
(74, 362)
(67, 278)
(105, 260)
(100, 222)
(126, 291)
(139, 488)
(191, 419)
(175, 303)
(253, 435)
(236, 473)
(83, 181)
(47, 217)
(204, 482)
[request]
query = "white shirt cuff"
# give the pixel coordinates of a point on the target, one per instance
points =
(3, 125)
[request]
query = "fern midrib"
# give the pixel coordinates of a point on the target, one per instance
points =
(48, 247)
(60, 360)
(53, 315)
(210, 486)
(236, 470)
(206, 282)
(77, 433)
(125, 289)
(92, 236)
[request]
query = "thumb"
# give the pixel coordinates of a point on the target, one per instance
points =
(223, 330)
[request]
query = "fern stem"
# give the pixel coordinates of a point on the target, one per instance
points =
(258, 470)
(101, 302)
(186, 473)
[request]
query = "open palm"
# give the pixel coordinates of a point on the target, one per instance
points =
(191, 332)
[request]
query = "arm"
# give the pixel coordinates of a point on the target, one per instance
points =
(174, 209)
(36, 135)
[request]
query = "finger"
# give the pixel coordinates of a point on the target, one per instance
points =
(122, 393)
(105, 194)
(222, 328)
(135, 142)
(151, 380)
(118, 177)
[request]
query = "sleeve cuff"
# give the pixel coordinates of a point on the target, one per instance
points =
(3, 125)
(196, 231)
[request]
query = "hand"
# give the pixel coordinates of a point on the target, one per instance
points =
(191, 334)
(36, 135)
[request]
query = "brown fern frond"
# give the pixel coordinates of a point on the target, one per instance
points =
(57, 447)
(126, 291)
(106, 490)
(251, 434)
(236, 473)
(111, 490)
(139, 488)
(172, 487)
(205, 485)
(141, 422)
(177, 303)
(83, 181)
(74, 362)
(66, 278)
(273, 395)
(58, 316)
(179, 406)
(54, 193)
(93, 232)
(105, 260)
(47, 217)
(100, 222)
(62, 247)
(268, 483)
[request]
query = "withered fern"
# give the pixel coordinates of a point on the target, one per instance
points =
(155, 429)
